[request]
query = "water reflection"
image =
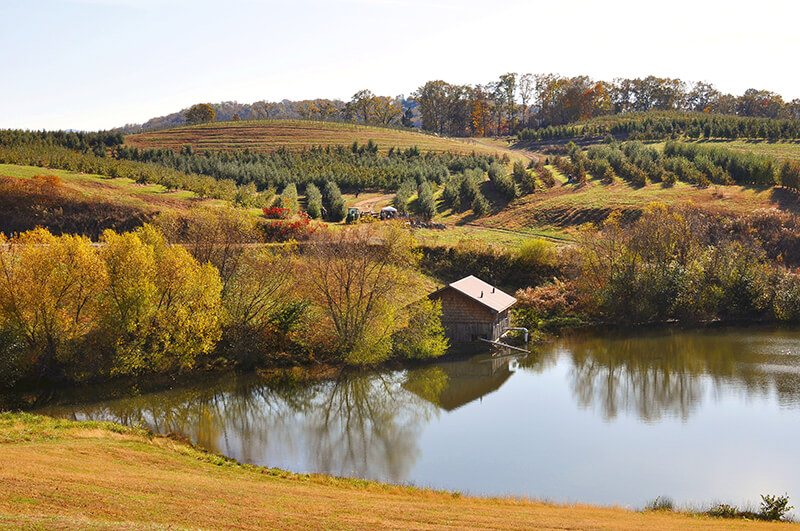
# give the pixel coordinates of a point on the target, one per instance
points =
(364, 425)
(669, 373)
(683, 396)
(453, 385)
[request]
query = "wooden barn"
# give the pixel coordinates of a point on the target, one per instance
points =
(472, 309)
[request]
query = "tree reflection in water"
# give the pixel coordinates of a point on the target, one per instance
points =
(362, 425)
(669, 373)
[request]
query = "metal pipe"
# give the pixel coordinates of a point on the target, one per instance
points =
(518, 328)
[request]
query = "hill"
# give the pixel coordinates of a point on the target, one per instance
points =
(74, 202)
(264, 136)
(79, 475)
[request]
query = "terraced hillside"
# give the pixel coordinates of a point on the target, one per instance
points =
(295, 135)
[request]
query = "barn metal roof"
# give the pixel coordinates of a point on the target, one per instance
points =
(484, 293)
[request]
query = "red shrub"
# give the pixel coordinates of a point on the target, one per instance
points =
(276, 212)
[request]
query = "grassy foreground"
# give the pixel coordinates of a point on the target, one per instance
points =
(94, 475)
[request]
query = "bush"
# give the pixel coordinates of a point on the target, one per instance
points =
(423, 337)
(723, 510)
(790, 174)
(537, 252)
(275, 212)
(774, 507)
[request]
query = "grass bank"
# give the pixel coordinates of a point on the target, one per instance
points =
(95, 475)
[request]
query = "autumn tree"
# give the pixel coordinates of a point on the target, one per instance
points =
(261, 289)
(361, 105)
(212, 235)
(200, 113)
(527, 86)
(48, 288)
(386, 110)
(186, 315)
(433, 98)
(359, 278)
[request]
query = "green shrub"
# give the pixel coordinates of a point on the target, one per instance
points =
(537, 252)
(790, 174)
(423, 337)
(774, 507)
(723, 510)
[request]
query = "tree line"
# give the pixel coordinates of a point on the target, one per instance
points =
(356, 167)
(187, 292)
(696, 164)
(515, 102)
(47, 155)
(84, 142)
(673, 264)
(660, 125)
(507, 105)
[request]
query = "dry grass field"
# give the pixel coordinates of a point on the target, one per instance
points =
(296, 135)
(57, 474)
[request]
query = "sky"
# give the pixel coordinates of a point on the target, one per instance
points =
(99, 64)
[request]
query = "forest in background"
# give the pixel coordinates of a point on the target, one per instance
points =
(507, 105)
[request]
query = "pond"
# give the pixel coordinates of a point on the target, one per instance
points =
(699, 416)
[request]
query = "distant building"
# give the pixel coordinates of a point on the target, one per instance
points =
(472, 309)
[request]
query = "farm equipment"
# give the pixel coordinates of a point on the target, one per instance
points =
(353, 215)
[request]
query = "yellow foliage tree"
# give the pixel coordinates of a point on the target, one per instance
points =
(359, 277)
(47, 294)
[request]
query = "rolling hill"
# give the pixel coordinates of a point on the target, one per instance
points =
(66, 201)
(298, 134)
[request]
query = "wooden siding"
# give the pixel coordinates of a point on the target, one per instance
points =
(465, 320)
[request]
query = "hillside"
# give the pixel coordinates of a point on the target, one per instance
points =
(80, 475)
(296, 135)
(66, 201)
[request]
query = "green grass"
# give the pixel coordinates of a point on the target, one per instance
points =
(778, 149)
(118, 190)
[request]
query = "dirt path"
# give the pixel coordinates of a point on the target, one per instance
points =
(370, 202)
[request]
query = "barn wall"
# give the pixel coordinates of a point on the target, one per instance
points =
(465, 320)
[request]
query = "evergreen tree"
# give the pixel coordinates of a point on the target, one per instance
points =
(313, 201)
(334, 202)
(426, 202)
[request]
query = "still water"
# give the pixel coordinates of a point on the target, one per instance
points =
(700, 416)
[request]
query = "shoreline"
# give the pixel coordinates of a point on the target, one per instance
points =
(29, 397)
(70, 474)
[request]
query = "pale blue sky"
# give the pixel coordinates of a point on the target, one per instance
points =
(94, 64)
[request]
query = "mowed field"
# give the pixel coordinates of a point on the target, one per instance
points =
(58, 474)
(272, 135)
(778, 149)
